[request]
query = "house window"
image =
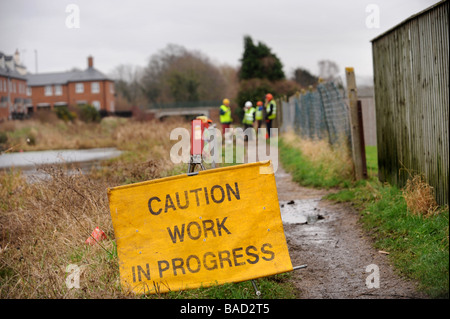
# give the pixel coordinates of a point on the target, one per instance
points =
(95, 87)
(28, 91)
(111, 106)
(111, 88)
(96, 104)
(48, 90)
(79, 88)
(58, 90)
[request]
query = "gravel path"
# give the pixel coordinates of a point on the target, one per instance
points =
(328, 238)
(341, 260)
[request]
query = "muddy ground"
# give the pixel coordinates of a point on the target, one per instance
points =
(328, 238)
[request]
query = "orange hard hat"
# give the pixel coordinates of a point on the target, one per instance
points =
(269, 96)
(259, 103)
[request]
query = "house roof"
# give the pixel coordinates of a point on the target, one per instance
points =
(7, 71)
(11, 73)
(90, 74)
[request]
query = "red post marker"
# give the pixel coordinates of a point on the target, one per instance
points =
(197, 137)
(96, 236)
(198, 126)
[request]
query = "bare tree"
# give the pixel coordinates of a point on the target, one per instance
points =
(176, 74)
(231, 77)
(328, 70)
(304, 77)
(127, 82)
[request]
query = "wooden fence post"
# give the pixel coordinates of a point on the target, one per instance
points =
(356, 129)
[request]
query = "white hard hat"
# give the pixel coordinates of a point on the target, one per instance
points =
(248, 104)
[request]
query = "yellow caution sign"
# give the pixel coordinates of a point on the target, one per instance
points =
(181, 232)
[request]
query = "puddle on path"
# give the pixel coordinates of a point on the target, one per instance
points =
(300, 211)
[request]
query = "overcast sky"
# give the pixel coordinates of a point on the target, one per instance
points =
(118, 32)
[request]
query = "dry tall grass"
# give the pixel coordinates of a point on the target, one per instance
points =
(420, 197)
(46, 233)
(336, 159)
(34, 135)
(44, 225)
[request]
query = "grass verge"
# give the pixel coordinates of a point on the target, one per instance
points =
(315, 163)
(418, 243)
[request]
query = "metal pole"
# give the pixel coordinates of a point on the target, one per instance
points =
(299, 267)
(258, 293)
(36, 60)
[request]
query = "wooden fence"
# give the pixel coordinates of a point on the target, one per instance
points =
(411, 80)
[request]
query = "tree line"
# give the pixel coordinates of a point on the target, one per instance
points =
(176, 74)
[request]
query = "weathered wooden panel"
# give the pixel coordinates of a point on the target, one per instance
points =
(411, 96)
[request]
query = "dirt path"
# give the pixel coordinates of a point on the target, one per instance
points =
(328, 238)
(331, 242)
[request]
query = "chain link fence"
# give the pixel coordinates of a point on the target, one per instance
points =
(320, 114)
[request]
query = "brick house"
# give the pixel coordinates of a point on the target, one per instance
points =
(71, 88)
(13, 88)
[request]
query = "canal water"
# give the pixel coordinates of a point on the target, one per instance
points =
(28, 162)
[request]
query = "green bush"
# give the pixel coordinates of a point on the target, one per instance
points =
(88, 113)
(64, 114)
(254, 90)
